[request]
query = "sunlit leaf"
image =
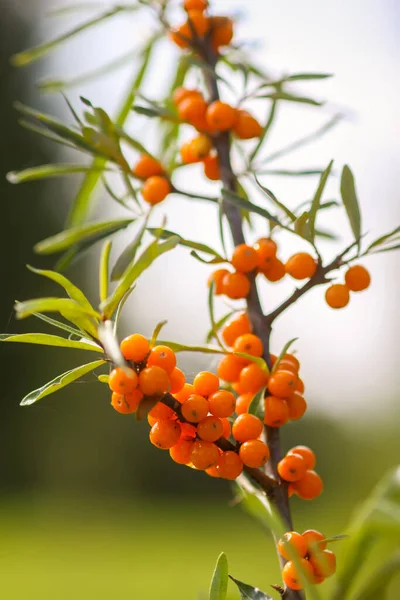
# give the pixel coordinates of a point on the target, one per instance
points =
(219, 581)
(73, 292)
(58, 324)
(248, 592)
(104, 271)
(45, 339)
(315, 204)
(156, 333)
(350, 201)
(257, 406)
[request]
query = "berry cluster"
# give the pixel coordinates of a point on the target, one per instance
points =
(156, 186)
(297, 469)
(356, 279)
(315, 561)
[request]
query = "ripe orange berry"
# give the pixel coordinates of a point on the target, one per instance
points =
(205, 384)
(151, 420)
(309, 486)
(212, 472)
(249, 344)
(287, 365)
(161, 412)
(153, 381)
(181, 451)
(243, 402)
(295, 578)
(165, 434)
(195, 408)
(204, 455)
(229, 465)
(292, 467)
(198, 22)
(236, 285)
(184, 393)
(187, 155)
(252, 378)
(221, 32)
(357, 278)
(127, 403)
(276, 411)
(211, 168)
(247, 427)
(226, 428)
(123, 380)
(200, 147)
(222, 404)
(299, 386)
(195, 5)
(181, 36)
(192, 108)
(266, 251)
(275, 270)
(337, 295)
(230, 367)
(238, 326)
(221, 116)
(156, 189)
(306, 453)
(292, 542)
(147, 166)
(188, 431)
(246, 126)
(210, 429)
(162, 356)
(323, 563)
(314, 540)
(290, 358)
(218, 277)
(244, 258)
(135, 347)
(282, 384)
(177, 380)
(254, 453)
(182, 93)
(301, 266)
(297, 406)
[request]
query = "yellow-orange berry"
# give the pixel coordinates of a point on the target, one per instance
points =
(247, 427)
(244, 258)
(299, 386)
(323, 563)
(210, 429)
(156, 189)
(276, 411)
(147, 166)
(229, 465)
(181, 451)
(252, 378)
(161, 412)
(218, 278)
(205, 383)
(177, 380)
(292, 467)
(246, 126)
(254, 453)
(127, 403)
(153, 381)
(266, 252)
(211, 168)
(337, 295)
(230, 367)
(221, 116)
(292, 542)
(243, 402)
(293, 577)
(195, 408)
(222, 404)
(184, 393)
(222, 32)
(162, 356)
(301, 266)
(198, 22)
(236, 285)
(238, 326)
(200, 147)
(187, 155)
(182, 93)
(249, 344)
(165, 434)
(192, 109)
(297, 406)
(135, 347)
(315, 540)
(309, 486)
(123, 380)
(282, 384)
(226, 428)
(188, 431)
(274, 270)
(357, 278)
(204, 455)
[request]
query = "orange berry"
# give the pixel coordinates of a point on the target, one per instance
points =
(287, 365)
(282, 384)
(205, 383)
(211, 168)
(162, 356)
(153, 381)
(266, 252)
(357, 278)
(200, 147)
(230, 367)
(135, 347)
(292, 542)
(238, 326)
(276, 411)
(177, 380)
(222, 31)
(310, 486)
(306, 453)
(195, 408)
(212, 472)
(236, 285)
(184, 393)
(195, 5)
(210, 429)
(249, 344)
(187, 155)
(243, 402)
(161, 412)
(147, 166)
(301, 266)
(292, 359)
(226, 428)
(165, 434)
(188, 431)
(182, 93)
(198, 22)
(123, 380)
(192, 108)
(229, 465)
(314, 540)
(297, 406)
(275, 270)
(323, 563)
(218, 277)
(181, 451)
(181, 36)
(299, 386)
(246, 126)
(292, 467)
(156, 189)
(247, 427)
(252, 378)
(221, 116)
(151, 420)
(127, 403)
(244, 258)
(294, 578)
(337, 295)
(254, 453)
(222, 404)
(204, 455)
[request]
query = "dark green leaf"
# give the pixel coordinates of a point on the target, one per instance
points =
(274, 199)
(129, 253)
(281, 95)
(45, 339)
(317, 199)
(308, 76)
(104, 271)
(60, 382)
(239, 202)
(248, 592)
(165, 234)
(326, 235)
(350, 201)
(218, 325)
(219, 581)
(47, 171)
(302, 227)
(290, 173)
(257, 407)
(282, 354)
(73, 292)
(213, 261)
(147, 112)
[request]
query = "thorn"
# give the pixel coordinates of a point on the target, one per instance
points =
(279, 589)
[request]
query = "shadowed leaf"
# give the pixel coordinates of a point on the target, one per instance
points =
(248, 592)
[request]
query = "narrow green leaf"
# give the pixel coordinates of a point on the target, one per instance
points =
(290, 172)
(350, 201)
(82, 6)
(281, 95)
(58, 325)
(149, 112)
(60, 382)
(73, 292)
(156, 333)
(45, 339)
(212, 316)
(302, 226)
(384, 239)
(239, 202)
(264, 135)
(123, 135)
(103, 378)
(213, 261)
(274, 199)
(326, 235)
(317, 199)
(80, 235)
(396, 247)
(47, 171)
(104, 271)
(248, 592)
(129, 253)
(220, 323)
(177, 347)
(165, 234)
(282, 354)
(308, 76)
(257, 407)
(219, 581)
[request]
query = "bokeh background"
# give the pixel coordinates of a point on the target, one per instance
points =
(89, 509)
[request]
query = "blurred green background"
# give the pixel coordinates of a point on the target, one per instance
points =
(88, 508)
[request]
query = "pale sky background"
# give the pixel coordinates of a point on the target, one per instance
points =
(349, 357)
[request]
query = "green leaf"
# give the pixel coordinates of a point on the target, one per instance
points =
(73, 292)
(165, 234)
(290, 172)
(327, 235)
(248, 592)
(60, 382)
(45, 339)
(47, 171)
(257, 407)
(104, 270)
(308, 76)
(384, 239)
(103, 378)
(83, 236)
(156, 333)
(219, 581)
(264, 135)
(129, 253)
(376, 585)
(281, 95)
(396, 247)
(213, 261)
(350, 201)
(302, 226)
(177, 347)
(220, 323)
(211, 292)
(282, 354)
(239, 202)
(58, 324)
(274, 199)
(317, 199)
